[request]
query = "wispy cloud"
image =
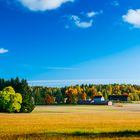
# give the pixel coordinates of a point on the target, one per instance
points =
(91, 14)
(43, 5)
(61, 83)
(61, 68)
(48, 67)
(57, 81)
(83, 22)
(132, 17)
(115, 3)
(2, 50)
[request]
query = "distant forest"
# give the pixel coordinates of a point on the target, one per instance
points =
(72, 94)
(40, 95)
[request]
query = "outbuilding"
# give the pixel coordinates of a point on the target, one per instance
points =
(118, 97)
(99, 99)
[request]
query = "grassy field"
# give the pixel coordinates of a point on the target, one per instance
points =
(73, 122)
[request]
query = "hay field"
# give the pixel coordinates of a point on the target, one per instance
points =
(73, 122)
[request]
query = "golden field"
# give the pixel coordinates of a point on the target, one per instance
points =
(73, 122)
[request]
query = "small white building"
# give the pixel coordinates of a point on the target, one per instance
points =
(99, 99)
(110, 103)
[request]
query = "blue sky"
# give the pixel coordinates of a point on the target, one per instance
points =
(59, 42)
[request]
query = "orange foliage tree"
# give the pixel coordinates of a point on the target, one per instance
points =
(92, 92)
(71, 95)
(49, 99)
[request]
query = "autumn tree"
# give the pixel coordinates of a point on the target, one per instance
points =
(92, 92)
(116, 89)
(109, 89)
(83, 96)
(71, 95)
(49, 99)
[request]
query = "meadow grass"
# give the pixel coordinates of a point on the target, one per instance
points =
(73, 122)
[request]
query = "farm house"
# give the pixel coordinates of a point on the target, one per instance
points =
(98, 100)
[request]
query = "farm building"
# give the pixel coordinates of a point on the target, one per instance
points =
(98, 100)
(109, 103)
(86, 102)
(118, 97)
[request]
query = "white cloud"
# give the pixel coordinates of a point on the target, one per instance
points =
(81, 24)
(91, 14)
(85, 20)
(85, 24)
(43, 5)
(2, 50)
(132, 17)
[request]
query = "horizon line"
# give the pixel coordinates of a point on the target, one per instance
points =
(82, 81)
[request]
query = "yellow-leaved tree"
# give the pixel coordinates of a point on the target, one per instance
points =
(9, 100)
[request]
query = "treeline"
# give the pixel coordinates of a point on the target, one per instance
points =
(10, 99)
(72, 94)
(39, 95)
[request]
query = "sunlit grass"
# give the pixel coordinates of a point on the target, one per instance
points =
(64, 121)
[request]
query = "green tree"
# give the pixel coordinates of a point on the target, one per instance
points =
(136, 97)
(9, 100)
(37, 96)
(21, 86)
(59, 97)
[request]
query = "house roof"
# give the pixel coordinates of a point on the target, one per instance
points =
(97, 97)
(118, 95)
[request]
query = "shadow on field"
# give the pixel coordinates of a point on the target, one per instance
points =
(75, 135)
(108, 134)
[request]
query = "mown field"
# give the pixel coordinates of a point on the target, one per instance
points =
(73, 122)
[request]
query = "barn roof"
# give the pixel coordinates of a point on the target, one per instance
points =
(97, 97)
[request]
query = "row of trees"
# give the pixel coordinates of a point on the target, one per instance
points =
(39, 95)
(72, 94)
(20, 86)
